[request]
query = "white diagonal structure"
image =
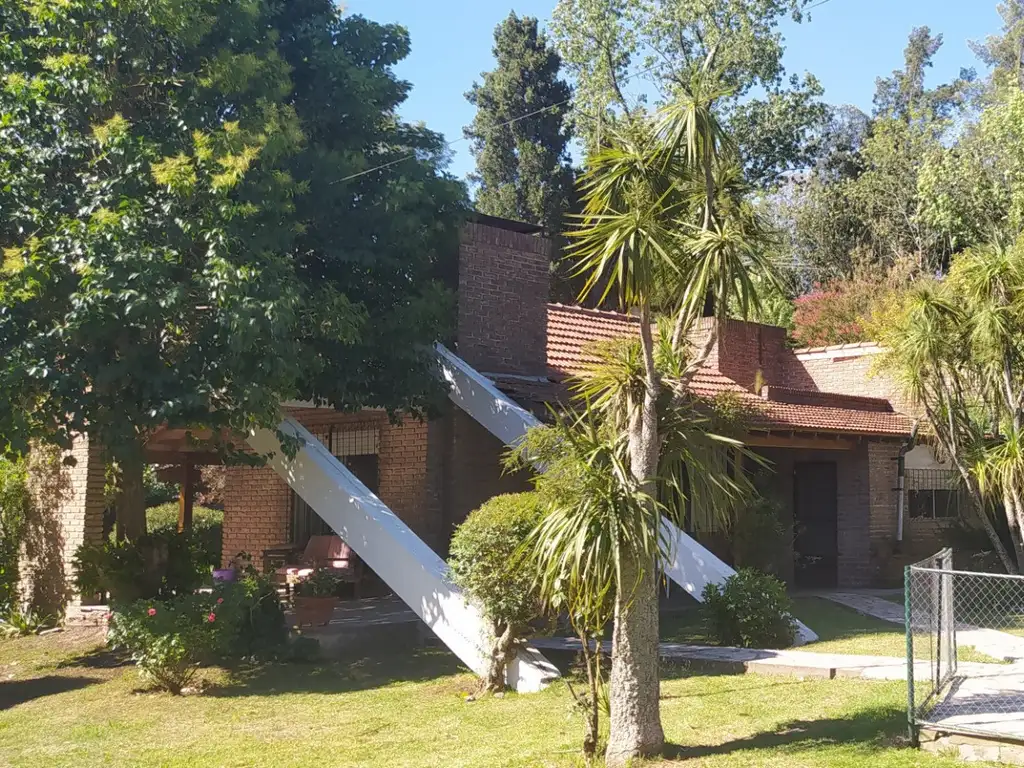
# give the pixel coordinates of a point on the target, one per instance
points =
(396, 554)
(690, 565)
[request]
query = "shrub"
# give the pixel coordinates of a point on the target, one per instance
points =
(159, 565)
(320, 583)
(14, 508)
(207, 529)
(751, 610)
(168, 640)
(485, 562)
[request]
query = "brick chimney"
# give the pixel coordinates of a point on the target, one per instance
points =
(743, 349)
(504, 283)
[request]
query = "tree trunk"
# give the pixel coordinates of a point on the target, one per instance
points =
(501, 654)
(635, 718)
(1012, 511)
(131, 500)
(993, 535)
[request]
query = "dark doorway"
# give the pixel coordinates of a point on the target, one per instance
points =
(817, 526)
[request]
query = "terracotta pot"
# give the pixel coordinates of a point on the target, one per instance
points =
(315, 611)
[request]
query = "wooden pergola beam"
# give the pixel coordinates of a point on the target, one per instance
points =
(186, 496)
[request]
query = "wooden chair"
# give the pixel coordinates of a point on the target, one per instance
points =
(323, 552)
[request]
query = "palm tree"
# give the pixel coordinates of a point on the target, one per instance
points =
(653, 216)
(598, 514)
(957, 348)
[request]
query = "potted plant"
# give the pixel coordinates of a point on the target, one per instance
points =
(315, 598)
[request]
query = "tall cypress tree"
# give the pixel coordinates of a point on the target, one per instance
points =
(522, 169)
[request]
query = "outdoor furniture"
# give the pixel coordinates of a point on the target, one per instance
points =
(323, 552)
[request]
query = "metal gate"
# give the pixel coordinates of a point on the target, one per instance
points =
(965, 649)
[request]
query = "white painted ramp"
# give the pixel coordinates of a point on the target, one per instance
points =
(394, 552)
(690, 565)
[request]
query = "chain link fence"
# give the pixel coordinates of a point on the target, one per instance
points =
(965, 649)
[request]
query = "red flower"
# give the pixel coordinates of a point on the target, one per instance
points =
(220, 600)
(211, 617)
(151, 611)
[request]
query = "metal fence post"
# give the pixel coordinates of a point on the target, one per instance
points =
(908, 575)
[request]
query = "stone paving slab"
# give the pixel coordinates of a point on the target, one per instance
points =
(784, 662)
(992, 642)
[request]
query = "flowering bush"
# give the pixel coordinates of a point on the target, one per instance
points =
(170, 639)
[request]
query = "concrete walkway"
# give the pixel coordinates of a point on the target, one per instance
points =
(786, 662)
(992, 642)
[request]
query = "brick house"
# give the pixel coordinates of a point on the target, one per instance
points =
(831, 430)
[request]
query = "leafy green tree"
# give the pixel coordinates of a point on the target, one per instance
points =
(862, 204)
(192, 229)
(738, 45)
(523, 170)
(903, 94)
(1005, 52)
(973, 189)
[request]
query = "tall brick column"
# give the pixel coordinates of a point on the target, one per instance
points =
(67, 511)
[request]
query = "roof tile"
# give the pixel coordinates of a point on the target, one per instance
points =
(572, 329)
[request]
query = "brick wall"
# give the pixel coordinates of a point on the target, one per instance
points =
(865, 506)
(744, 350)
(474, 472)
(67, 511)
(883, 498)
(257, 502)
(504, 284)
(850, 374)
(256, 512)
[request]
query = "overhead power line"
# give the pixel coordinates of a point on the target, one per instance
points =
(506, 123)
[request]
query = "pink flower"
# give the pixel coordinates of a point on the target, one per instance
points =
(108, 616)
(211, 617)
(220, 600)
(151, 611)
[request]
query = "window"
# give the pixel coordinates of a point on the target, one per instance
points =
(357, 448)
(933, 494)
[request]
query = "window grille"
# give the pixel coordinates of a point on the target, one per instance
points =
(357, 446)
(934, 494)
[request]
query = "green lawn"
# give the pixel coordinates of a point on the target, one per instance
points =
(840, 629)
(63, 704)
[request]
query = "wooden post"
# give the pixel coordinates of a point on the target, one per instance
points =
(185, 497)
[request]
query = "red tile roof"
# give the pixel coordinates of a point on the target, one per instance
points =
(572, 329)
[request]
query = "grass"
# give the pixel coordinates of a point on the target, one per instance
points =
(62, 702)
(840, 630)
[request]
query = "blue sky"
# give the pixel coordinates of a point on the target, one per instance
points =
(847, 45)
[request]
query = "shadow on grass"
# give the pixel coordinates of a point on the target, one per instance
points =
(354, 672)
(869, 730)
(96, 658)
(15, 692)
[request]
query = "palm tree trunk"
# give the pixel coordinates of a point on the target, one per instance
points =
(635, 719)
